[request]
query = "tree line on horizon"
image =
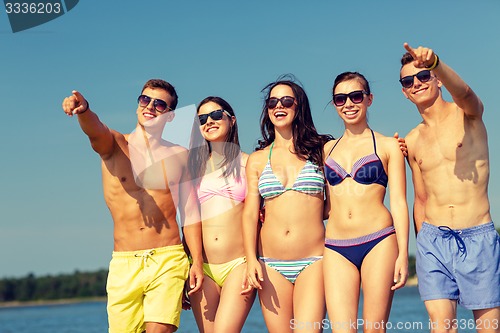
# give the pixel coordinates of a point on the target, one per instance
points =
(75, 285)
(69, 286)
(62, 286)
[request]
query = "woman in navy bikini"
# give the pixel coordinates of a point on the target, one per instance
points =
(217, 166)
(284, 253)
(366, 244)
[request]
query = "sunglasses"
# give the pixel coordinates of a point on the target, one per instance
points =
(356, 97)
(214, 115)
(286, 101)
(160, 105)
(422, 76)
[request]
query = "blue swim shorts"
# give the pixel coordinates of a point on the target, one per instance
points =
(461, 265)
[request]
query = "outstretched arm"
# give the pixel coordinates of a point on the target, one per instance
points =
(100, 135)
(461, 93)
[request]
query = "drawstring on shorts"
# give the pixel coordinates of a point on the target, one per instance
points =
(145, 256)
(448, 232)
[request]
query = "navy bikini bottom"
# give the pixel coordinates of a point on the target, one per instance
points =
(356, 249)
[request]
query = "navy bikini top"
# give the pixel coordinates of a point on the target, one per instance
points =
(367, 170)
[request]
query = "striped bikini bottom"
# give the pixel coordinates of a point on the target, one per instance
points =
(290, 269)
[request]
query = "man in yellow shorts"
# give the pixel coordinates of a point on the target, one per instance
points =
(149, 265)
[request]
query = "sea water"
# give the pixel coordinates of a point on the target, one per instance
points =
(408, 315)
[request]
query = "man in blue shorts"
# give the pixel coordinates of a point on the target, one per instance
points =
(458, 248)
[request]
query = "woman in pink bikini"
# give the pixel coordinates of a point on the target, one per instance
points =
(217, 166)
(366, 244)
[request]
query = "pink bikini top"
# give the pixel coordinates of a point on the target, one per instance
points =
(214, 184)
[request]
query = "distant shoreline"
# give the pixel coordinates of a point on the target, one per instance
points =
(412, 282)
(18, 304)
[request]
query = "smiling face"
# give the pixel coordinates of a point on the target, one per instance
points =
(215, 130)
(149, 112)
(280, 115)
(420, 93)
(350, 112)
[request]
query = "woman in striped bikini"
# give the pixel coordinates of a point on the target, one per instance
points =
(217, 166)
(284, 253)
(365, 241)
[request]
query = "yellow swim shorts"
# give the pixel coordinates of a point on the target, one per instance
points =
(146, 286)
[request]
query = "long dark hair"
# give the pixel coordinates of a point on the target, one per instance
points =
(200, 149)
(307, 143)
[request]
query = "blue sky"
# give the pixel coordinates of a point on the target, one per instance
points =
(53, 216)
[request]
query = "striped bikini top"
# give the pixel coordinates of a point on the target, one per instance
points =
(367, 170)
(309, 181)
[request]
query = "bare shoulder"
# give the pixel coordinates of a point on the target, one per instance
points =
(244, 158)
(413, 136)
(180, 152)
(474, 119)
(119, 144)
(117, 134)
(413, 133)
(259, 155)
(176, 149)
(328, 146)
(386, 143)
(258, 159)
(119, 137)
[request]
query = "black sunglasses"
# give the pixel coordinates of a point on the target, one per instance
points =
(356, 97)
(286, 101)
(422, 76)
(159, 104)
(214, 115)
